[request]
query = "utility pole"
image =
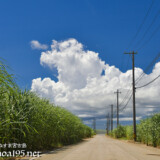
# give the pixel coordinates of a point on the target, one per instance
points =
(94, 124)
(107, 124)
(134, 89)
(117, 106)
(111, 117)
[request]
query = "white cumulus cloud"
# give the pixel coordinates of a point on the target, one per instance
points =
(74, 65)
(84, 90)
(37, 45)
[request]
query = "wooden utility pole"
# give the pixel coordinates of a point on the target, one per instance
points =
(111, 117)
(117, 106)
(94, 124)
(134, 101)
(107, 124)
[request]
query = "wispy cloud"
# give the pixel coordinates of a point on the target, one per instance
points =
(37, 45)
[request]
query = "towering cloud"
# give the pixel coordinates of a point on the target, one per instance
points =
(83, 89)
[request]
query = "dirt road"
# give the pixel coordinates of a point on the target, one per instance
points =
(104, 148)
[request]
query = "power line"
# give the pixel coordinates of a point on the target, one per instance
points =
(126, 103)
(125, 97)
(147, 68)
(148, 83)
(145, 107)
(144, 44)
(139, 29)
(141, 25)
(150, 26)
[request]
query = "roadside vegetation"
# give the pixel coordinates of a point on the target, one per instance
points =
(148, 131)
(100, 131)
(26, 118)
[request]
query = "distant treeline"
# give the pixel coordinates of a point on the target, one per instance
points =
(26, 118)
(148, 131)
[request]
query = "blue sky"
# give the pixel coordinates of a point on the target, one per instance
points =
(102, 26)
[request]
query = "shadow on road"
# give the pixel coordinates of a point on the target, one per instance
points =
(153, 154)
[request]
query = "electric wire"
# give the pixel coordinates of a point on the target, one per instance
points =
(148, 83)
(139, 29)
(147, 68)
(126, 96)
(126, 103)
(147, 41)
(150, 26)
(141, 25)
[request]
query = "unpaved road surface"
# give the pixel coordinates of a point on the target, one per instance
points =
(104, 148)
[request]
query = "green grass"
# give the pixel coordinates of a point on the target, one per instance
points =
(148, 131)
(26, 118)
